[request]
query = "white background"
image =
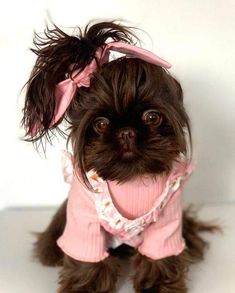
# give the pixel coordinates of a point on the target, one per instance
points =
(197, 37)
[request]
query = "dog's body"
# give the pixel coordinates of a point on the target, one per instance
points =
(127, 121)
(165, 275)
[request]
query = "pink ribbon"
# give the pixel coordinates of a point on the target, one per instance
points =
(66, 89)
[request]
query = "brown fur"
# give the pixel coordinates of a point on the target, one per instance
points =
(45, 248)
(120, 92)
(169, 275)
(166, 275)
(77, 276)
(162, 276)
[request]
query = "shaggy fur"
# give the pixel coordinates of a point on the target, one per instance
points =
(166, 275)
(130, 121)
(89, 277)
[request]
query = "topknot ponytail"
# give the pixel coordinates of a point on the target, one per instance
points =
(59, 54)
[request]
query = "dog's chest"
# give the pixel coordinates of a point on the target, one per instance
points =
(137, 197)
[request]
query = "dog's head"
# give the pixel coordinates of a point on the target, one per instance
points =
(130, 121)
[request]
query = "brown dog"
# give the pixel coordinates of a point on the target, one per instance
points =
(129, 122)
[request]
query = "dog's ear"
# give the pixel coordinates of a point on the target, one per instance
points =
(59, 54)
(185, 122)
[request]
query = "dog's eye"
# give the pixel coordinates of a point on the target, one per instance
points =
(101, 124)
(151, 117)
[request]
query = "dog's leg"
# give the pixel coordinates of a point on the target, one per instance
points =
(45, 248)
(160, 276)
(168, 275)
(85, 277)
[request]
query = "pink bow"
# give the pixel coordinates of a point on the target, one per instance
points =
(66, 89)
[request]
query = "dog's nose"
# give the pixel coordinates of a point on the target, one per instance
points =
(127, 133)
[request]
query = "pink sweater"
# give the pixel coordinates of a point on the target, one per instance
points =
(145, 213)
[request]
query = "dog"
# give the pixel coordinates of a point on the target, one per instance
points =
(131, 141)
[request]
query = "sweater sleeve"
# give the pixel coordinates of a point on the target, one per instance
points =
(163, 238)
(83, 238)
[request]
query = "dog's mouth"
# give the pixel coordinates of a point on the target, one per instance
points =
(128, 154)
(128, 151)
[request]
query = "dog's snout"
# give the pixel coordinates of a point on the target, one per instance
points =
(127, 133)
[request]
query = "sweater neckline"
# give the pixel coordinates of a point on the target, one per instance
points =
(101, 188)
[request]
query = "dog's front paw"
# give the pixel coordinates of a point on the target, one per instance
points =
(159, 276)
(146, 276)
(81, 277)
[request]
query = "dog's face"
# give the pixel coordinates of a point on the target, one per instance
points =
(131, 121)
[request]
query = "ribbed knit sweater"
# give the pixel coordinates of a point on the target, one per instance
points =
(145, 212)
